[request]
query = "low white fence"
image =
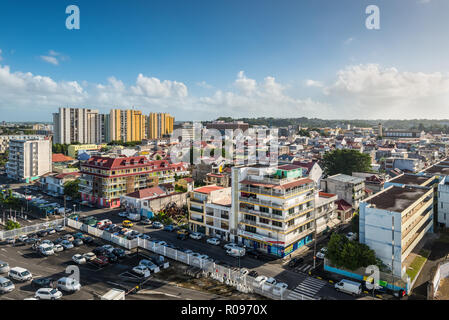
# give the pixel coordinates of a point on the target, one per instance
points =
(30, 229)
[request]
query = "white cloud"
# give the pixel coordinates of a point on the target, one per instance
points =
(313, 83)
(204, 84)
(371, 90)
(348, 41)
(50, 59)
(245, 85)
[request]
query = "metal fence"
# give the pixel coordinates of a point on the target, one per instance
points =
(30, 229)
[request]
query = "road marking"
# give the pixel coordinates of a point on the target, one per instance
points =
(307, 289)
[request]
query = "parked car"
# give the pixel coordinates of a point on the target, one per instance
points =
(182, 234)
(120, 253)
(48, 294)
(146, 222)
(45, 282)
(169, 228)
(269, 283)
(68, 284)
(108, 247)
(6, 285)
(188, 251)
(67, 244)
(100, 261)
(99, 251)
(89, 256)
(20, 274)
(112, 258)
(322, 253)
(293, 263)
(351, 236)
(48, 242)
(88, 240)
(253, 253)
(157, 225)
(141, 270)
(280, 288)
(144, 237)
(31, 240)
(259, 281)
(60, 228)
(213, 241)
(78, 242)
(78, 235)
(79, 259)
(196, 235)
(51, 231)
(127, 223)
(58, 241)
(22, 238)
(150, 265)
(123, 214)
(349, 287)
(58, 248)
(228, 246)
(42, 233)
(68, 237)
(46, 250)
(253, 273)
(4, 267)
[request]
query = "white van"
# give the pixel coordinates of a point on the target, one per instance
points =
(134, 216)
(46, 249)
(6, 285)
(20, 274)
(68, 284)
(349, 287)
(103, 222)
(236, 252)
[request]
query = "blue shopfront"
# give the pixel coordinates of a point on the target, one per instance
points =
(277, 249)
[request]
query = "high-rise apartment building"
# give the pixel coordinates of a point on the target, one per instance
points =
(273, 207)
(29, 159)
(126, 125)
(73, 125)
(160, 124)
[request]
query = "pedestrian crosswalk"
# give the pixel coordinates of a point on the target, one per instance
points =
(303, 268)
(307, 289)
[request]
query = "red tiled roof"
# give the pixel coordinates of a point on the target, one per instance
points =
(326, 195)
(63, 175)
(188, 180)
(146, 193)
(207, 189)
(59, 157)
(342, 205)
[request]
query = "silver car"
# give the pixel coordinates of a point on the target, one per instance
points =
(6, 285)
(4, 267)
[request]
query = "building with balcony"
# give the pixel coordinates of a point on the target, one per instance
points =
(54, 182)
(325, 211)
(403, 164)
(443, 203)
(349, 188)
(104, 179)
(274, 206)
(393, 222)
(209, 211)
(5, 139)
(77, 125)
(29, 159)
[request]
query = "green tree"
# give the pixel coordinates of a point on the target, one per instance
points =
(355, 222)
(346, 161)
(71, 189)
(10, 225)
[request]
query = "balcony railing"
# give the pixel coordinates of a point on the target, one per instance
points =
(271, 192)
(196, 209)
(262, 225)
(263, 214)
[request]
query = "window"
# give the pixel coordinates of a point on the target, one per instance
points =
(249, 217)
(264, 209)
(277, 212)
(277, 223)
(263, 220)
(291, 210)
(250, 229)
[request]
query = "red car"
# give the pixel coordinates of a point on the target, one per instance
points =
(101, 261)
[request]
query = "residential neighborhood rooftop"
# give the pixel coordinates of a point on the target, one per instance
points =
(410, 179)
(397, 199)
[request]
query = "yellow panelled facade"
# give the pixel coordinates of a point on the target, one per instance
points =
(160, 124)
(126, 125)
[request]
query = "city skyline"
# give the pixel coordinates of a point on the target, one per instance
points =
(200, 61)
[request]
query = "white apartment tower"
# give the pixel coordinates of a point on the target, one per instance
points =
(77, 125)
(29, 159)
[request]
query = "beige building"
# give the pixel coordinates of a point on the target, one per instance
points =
(73, 125)
(126, 125)
(160, 124)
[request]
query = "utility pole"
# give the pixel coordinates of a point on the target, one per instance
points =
(314, 241)
(64, 209)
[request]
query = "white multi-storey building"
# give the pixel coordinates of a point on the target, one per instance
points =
(29, 159)
(77, 125)
(274, 207)
(393, 221)
(443, 202)
(4, 140)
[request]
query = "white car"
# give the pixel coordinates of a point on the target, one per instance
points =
(259, 281)
(280, 288)
(60, 228)
(141, 270)
(351, 236)
(269, 283)
(157, 225)
(20, 274)
(123, 214)
(204, 256)
(58, 248)
(50, 244)
(196, 236)
(89, 256)
(160, 243)
(78, 259)
(22, 238)
(228, 246)
(48, 294)
(213, 241)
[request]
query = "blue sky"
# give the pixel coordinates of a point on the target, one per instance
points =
(202, 59)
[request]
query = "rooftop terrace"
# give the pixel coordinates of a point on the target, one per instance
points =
(410, 179)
